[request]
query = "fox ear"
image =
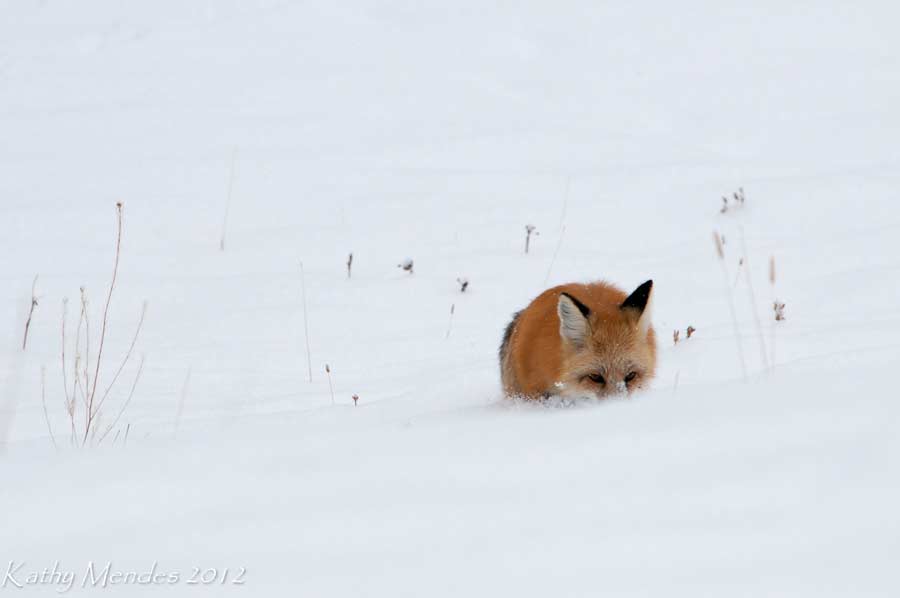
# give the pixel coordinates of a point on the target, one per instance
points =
(573, 320)
(639, 302)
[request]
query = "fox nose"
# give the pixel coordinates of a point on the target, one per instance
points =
(621, 387)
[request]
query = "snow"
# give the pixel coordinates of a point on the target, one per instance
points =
(435, 133)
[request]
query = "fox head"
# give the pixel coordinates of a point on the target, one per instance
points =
(608, 348)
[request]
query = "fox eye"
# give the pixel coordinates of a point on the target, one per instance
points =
(631, 376)
(597, 378)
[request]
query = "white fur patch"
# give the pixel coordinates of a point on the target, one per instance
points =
(573, 326)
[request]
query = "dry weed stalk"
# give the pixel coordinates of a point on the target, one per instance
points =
(330, 386)
(463, 284)
(779, 311)
(720, 252)
(44, 404)
(737, 196)
(406, 265)
(85, 388)
(450, 323)
(530, 229)
(34, 303)
(125, 404)
(676, 335)
(355, 400)
(349, 264)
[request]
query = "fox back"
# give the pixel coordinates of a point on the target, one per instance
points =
(580, 340)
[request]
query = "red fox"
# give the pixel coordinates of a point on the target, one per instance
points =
(580, 340)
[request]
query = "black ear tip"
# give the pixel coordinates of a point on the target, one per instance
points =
(585, 311)
(644, 289)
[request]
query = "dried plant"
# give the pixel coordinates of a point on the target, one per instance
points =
(110, 427)
(406, 265)
(737, 201)
(34, 303)
(720, 245)
(530, 229)
(86, 367)
(355, 400)
(463, 284)
(330, 386)
(44, 404)
(349, 264)
(450, 323)
(779, 311)
(676, 334)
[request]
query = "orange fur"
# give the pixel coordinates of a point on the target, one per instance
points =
(616, 339)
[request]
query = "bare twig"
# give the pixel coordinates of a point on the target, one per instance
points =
(76, 366)
(450, 323)
(134, 339)
(349, 264)
(137, 377)
(305, 321)
(406, 265)
(70, 400)
(530, 229)
(779, 311)
(34, 303)
(105, 322)
(85, 312)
